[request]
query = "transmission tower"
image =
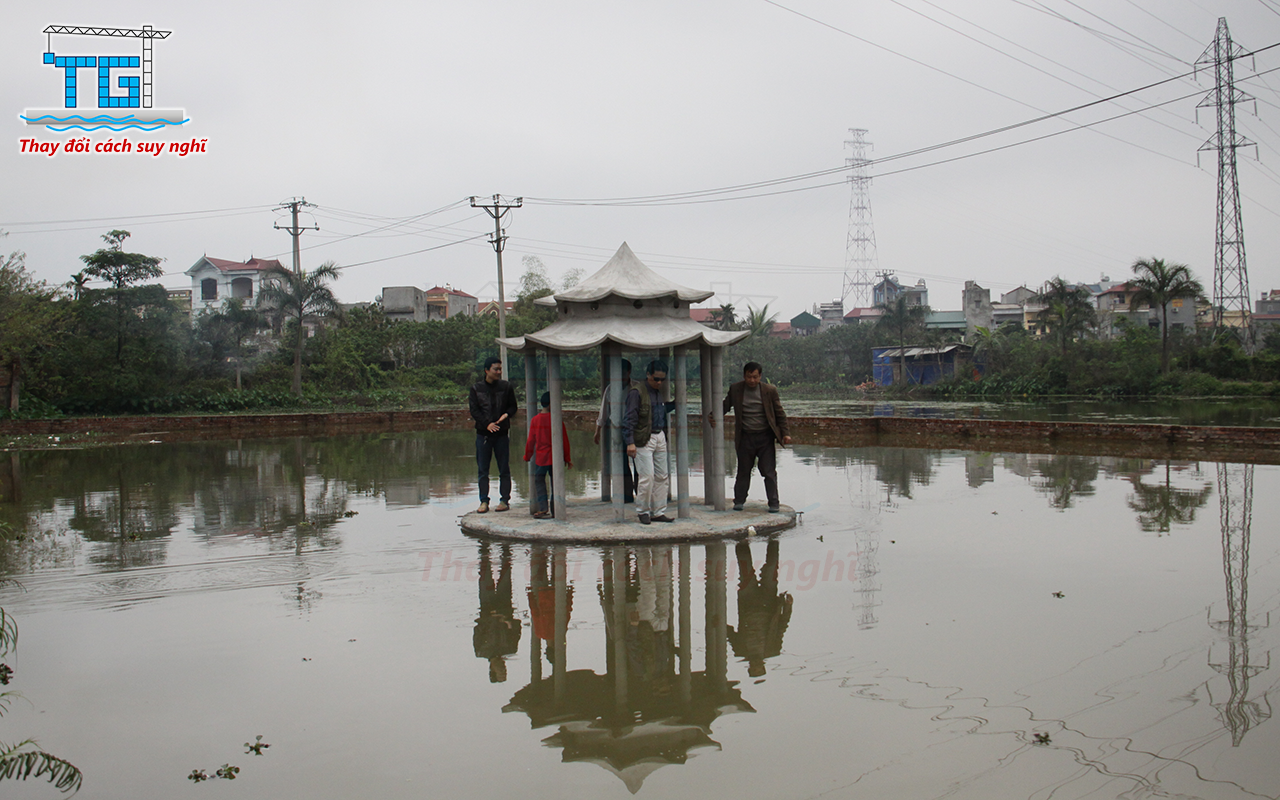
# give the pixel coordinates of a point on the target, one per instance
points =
(860, 248)
(1230, 278)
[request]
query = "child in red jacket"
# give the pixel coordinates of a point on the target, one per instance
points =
(538, 447)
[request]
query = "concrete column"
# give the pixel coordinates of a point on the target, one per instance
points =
(717, 412)
(606, 464)
(617, 452)
(704, 369)
(557, 438)
(531, 408)
(680, 368)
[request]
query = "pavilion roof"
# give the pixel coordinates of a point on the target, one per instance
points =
(628, 304)
(626, 276)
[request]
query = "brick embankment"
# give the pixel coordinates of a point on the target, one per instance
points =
(1260, 445)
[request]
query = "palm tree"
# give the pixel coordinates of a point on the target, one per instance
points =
(759, 321)
(724, 318)
(231, 326)
(1158, 285)
(1068, 311)
(898, 317)
(296, 296)
(989, 345)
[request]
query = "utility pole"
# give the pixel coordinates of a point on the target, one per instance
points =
(1230, 277)
(296, 232)
(498, 209)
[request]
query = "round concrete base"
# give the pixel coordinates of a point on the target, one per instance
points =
(592, 521)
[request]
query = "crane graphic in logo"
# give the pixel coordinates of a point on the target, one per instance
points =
(130, 107)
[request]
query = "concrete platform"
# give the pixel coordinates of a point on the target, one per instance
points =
(591, 521)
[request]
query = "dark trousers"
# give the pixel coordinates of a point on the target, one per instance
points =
(493, 447)
(541, 482)
(756, 448)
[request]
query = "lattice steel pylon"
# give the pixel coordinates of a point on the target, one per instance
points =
(860, 248)
(1230, 276)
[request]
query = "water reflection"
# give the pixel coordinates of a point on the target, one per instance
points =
(1239, 712)
(650, 707)
(1161, 506)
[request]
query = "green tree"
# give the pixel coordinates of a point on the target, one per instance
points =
(1158, 285)
(1069, 311)
(296, 296)
(899, 317)
(32, 320)
(230, 329)
(759, 321)
(121, 270)
(725, 317)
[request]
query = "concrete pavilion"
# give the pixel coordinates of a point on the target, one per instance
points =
(625, 306)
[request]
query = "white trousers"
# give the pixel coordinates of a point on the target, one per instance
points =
(651, 466)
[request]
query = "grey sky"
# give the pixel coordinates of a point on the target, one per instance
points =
(383, 112)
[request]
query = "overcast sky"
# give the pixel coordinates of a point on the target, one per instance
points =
(384, 113)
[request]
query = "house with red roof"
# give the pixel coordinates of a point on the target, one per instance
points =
(215, 280)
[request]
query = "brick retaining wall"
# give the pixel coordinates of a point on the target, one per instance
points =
(1173, 441)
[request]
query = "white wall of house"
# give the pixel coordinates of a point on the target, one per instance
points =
(212, 285)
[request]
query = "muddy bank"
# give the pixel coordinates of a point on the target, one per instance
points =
(1187, 442)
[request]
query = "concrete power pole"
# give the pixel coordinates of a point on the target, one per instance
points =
(296, 232)
(498, 209)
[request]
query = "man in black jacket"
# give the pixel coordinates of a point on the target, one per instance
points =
(493, 404)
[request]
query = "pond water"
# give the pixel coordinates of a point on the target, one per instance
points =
(940, 624)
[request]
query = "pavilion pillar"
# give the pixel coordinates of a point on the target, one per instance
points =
(531, 408)
(557, 438)
(717, 413)
(616, 454)
(680, 367)
(606, 463)
(704, 370)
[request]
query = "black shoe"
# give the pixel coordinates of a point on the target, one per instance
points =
(644, 519)
(738, 506)
(663, 518)
(774, 508)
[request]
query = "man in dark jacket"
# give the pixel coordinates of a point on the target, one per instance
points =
(759, 423)
(493, 404)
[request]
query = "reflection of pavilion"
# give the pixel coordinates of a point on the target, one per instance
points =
(650, 708)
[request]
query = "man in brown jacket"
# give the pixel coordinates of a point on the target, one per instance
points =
(759, 423)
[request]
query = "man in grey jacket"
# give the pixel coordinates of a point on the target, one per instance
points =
(759, 424)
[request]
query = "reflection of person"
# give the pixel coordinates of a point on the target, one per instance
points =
(493, 404)
(758, 424)
(497, 631)
(644, 430)
(602, 424)
(542, 600)
(538, 447)
(763, 613)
